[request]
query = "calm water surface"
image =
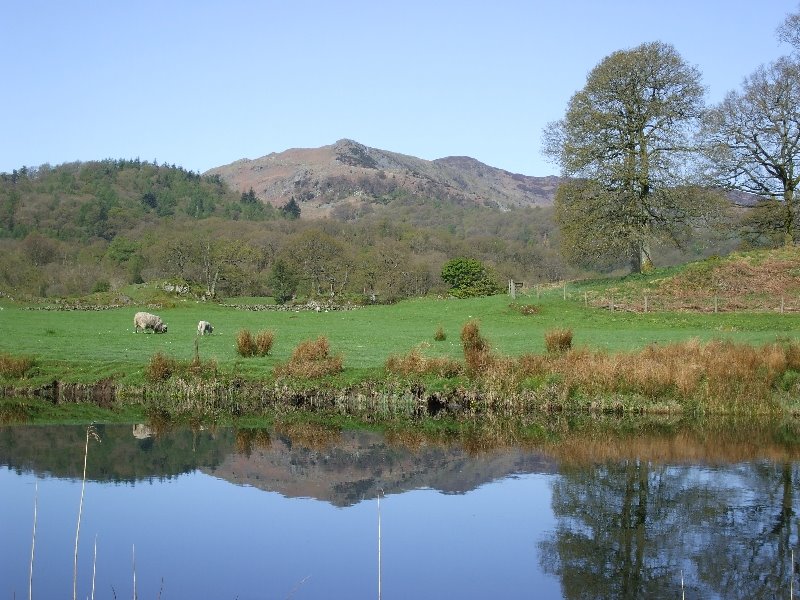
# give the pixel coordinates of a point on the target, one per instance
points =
(266, 514)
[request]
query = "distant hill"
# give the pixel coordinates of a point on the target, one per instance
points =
(350, 174)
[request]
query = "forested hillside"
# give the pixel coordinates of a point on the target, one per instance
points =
(97, 226)
(79, 228)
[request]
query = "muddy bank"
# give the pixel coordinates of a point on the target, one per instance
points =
(239, 398)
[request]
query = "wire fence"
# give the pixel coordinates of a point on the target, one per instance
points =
(649, 301)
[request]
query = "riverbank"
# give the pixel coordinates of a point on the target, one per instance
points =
(544, 351)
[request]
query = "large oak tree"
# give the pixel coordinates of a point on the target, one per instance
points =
(624, 139)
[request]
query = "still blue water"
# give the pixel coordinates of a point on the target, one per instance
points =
(208, 515)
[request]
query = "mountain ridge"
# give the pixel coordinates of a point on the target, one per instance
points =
(327, 179)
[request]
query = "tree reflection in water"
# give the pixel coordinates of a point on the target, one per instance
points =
(635, 529)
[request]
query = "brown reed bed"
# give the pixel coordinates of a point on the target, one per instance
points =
(477, 353)
(248, 345)
(558, 340)
(264, 341)
(15, 367)
(415, 363)
(721, 375)
(311, 359)
(162, 368)
(245, 343)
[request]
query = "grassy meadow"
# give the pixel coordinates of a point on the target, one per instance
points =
(732, 347)
(88, 345)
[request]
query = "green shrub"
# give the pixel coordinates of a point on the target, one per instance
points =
(469, 278)
(440, 335)
(101, 285)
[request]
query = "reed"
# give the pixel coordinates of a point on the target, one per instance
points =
(161, 367)
(476, 349)
(245, 344)
(15, 367)
(91, 432)
(720, 374)
(311, 359)
(264, 341)
(414, 363)
(558, 340)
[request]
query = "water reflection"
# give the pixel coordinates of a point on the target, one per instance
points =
(635, 530)
(659, 508)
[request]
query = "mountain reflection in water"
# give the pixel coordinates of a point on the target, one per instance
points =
(648, 512)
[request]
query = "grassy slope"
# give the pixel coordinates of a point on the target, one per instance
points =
(86, 346)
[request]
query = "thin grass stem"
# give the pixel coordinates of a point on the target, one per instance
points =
(90, 432)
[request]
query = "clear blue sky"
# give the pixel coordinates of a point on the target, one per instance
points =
(201, 84)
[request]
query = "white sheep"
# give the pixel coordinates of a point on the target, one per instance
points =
(145, 321)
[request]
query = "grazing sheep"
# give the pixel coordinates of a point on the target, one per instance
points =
(145, 321)
(204, 327)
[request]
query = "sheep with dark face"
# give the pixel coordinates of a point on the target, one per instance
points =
(204, 327)
(145, 321)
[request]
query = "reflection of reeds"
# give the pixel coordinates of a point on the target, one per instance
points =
(313, 436)
(380, 566)
(247, 439)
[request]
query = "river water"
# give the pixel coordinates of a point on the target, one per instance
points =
(303, 512)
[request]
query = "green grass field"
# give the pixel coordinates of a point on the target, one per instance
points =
(85, 346)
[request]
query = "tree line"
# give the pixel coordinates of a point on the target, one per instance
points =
(97, 226)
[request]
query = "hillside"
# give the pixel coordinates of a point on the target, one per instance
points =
(346, 176)
(763, 280)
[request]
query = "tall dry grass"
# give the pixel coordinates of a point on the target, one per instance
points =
(162, 367)
(245, 344)
(415, 363)
(15, 367)
(477, 353)
(311, 359)
(261, 345)
(558, 340)
(264, 341)
(723, 375)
